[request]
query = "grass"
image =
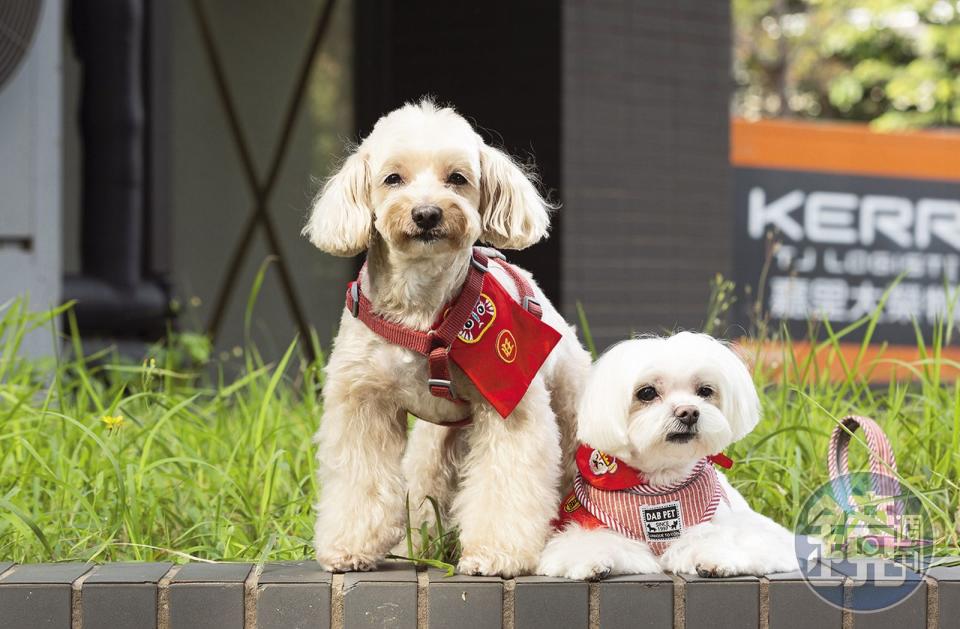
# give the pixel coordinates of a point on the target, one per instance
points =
(181, 456)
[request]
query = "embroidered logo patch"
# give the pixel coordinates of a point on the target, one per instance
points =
(571, 504)
(480, 320)
(601, 463)
(663, 521)
(506, 346)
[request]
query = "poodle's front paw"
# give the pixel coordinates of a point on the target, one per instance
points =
(335, 561)
(491, 564)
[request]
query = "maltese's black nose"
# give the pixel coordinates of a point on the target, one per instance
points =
(687, 415)
(426, 216)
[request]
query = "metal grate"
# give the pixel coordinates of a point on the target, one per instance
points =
(261, 188)
(18, 23)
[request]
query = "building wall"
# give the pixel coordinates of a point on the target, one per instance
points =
(30, 177)
(647, 218)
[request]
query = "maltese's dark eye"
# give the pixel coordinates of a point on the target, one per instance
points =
(393, 179)
(647, 394)
(704, 390)
(456, 179)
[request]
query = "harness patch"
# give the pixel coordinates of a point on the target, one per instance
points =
(507, 347)
(663, 521)
(481, 318)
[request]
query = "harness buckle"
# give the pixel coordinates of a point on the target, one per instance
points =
(441, 383)
(435, 341)
(355, 296)
(490, 252)
(477, 265)
(527, 301)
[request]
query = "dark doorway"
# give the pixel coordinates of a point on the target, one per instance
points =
(498, 63)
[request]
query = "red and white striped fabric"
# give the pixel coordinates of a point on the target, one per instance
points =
(654, 514)
(883, 465)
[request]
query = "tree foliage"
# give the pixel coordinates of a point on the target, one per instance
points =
(893, 63)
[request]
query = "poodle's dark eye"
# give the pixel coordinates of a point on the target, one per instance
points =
(647, 394)
(705, 391)
(456, 179)
(393, 179)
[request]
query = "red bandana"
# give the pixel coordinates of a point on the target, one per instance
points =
(502, 347)
(609, 493)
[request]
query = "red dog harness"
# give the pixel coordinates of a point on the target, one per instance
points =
(608, 493)
(483, 323)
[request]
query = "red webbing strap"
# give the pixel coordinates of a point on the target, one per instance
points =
(438, 361)
(527, 300)
(460, 311)
(396, 333)
(434, 344)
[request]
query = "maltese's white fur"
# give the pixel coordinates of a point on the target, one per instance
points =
(497, 480)
(631, 409)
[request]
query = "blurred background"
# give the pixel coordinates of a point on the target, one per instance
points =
(153, 154)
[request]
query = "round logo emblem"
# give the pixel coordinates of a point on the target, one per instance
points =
(601, 463)
(506, 346)
(870, 529)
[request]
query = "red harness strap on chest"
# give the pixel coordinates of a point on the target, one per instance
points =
(435, 343)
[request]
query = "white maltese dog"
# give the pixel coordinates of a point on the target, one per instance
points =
(654, 418)
(417, 194)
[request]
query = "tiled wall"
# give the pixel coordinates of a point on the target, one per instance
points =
(647, 218)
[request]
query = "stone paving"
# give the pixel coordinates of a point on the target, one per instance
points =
(298, 595)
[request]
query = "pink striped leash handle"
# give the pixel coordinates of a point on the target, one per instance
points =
(883, 465)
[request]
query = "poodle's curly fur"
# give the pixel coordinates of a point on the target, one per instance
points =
(497, 480)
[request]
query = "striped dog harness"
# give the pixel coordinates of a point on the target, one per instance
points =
(608, 493)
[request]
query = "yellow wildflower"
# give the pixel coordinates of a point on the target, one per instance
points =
(112, 422)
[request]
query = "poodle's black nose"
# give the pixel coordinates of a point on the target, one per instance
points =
(426, 216)
(687, 415)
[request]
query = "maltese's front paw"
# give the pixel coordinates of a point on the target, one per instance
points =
(555, 564)
(715, 557)
(595, 554)
(712, 570)
(346, 562)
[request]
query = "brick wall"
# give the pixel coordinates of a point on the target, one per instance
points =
(647, 217)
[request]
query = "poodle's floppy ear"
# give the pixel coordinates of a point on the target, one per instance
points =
(513, 214)
(341, 218)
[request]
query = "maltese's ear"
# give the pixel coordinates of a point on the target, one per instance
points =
(742, 404)
(341, 218)
(605, 404)
(513, 214)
